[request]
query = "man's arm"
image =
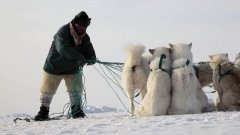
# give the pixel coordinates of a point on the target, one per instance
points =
(90, 52)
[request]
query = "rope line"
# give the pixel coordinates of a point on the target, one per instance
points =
(114, 75)
(111, 87)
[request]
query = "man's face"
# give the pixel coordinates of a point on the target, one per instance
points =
(81, 27)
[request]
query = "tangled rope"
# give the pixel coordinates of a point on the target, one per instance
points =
(113, 76)
(79, 97)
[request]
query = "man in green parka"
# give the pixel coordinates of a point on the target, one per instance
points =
(71, 49)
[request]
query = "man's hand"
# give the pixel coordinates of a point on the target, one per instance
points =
(91, 62)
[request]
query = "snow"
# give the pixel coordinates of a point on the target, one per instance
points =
(107, 121)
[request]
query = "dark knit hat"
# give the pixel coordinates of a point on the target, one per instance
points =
(82, 17)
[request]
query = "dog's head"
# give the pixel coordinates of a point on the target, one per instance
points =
(237, 60)
(217, 59)
(160, 50)
(157, 54)
(181, 50)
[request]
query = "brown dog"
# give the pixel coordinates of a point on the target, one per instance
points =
(226, 82)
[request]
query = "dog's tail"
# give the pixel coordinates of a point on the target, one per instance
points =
(134, 51)
(148, 57)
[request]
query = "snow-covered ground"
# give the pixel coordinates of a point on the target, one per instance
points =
(106, 120)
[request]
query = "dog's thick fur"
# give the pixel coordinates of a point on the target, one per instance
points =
(157, 100)
(226, 83)
(233, 68)
(203, 72)
(237, 61)
(187, 93)
(184, 89)
(135, 72)
(236, 67)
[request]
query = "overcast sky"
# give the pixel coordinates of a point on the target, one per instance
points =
(27, 28)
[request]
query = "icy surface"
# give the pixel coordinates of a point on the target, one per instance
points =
(106, 120)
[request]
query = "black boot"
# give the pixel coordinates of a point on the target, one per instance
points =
(42, 114)
(77, 112)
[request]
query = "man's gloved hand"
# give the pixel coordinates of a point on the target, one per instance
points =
(91, 62)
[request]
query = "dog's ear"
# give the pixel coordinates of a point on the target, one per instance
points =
(151, 51)
(171, 45)
(211, 56)
(190, 45)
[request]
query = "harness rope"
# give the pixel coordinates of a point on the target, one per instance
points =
(115, 80)
(106, 79)
(163, 56)
(78, 98)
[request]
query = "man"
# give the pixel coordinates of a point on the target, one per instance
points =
(71, 49)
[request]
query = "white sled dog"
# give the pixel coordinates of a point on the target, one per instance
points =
(135, 72)
(187, 94)
(226, 82)
(203, 70)
(157, 100)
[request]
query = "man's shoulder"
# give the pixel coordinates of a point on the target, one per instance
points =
(87, 37)
(64, 28)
